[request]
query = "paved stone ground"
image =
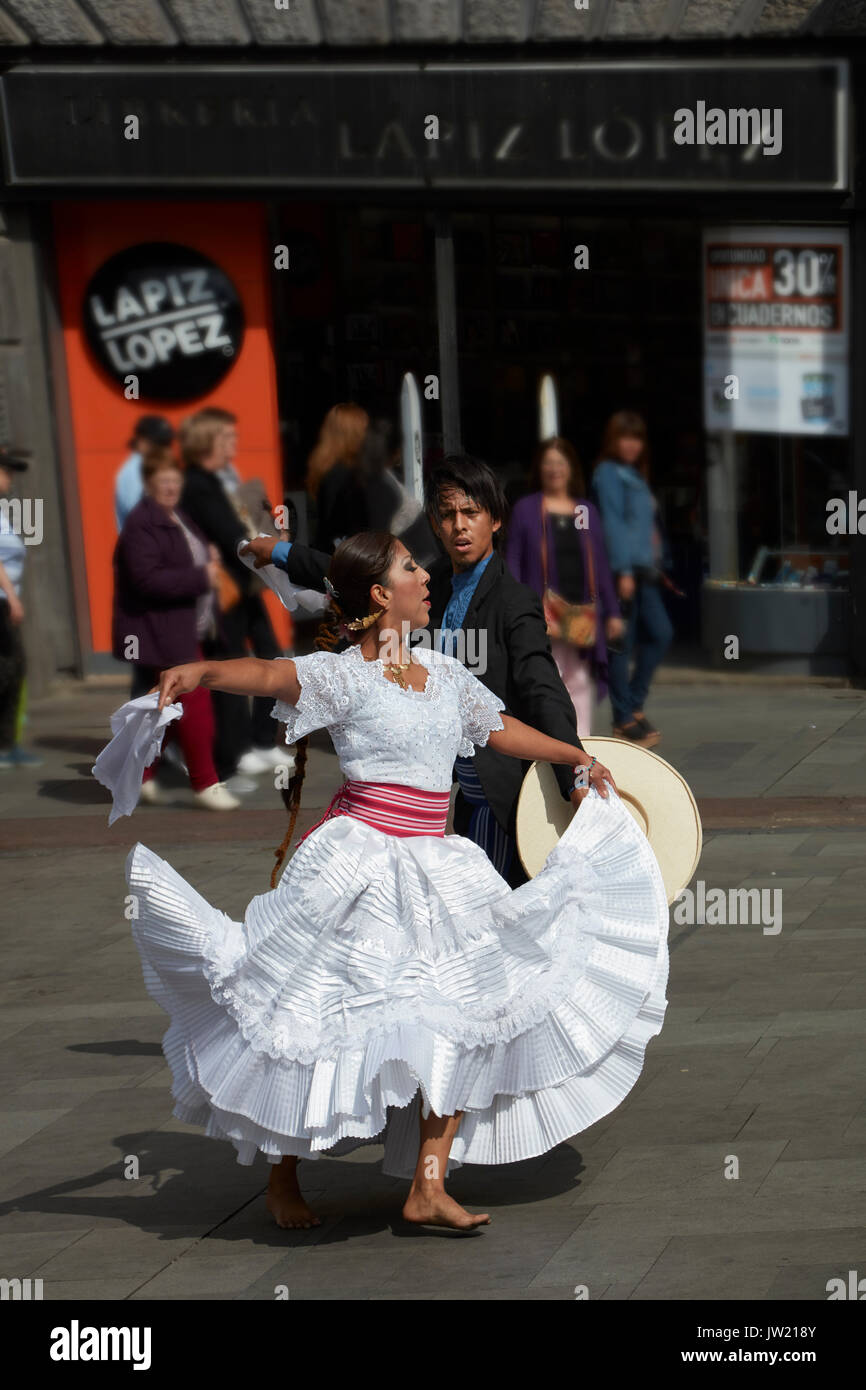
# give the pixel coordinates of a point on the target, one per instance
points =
(761, 1058)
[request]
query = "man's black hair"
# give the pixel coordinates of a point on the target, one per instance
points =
(476, 479)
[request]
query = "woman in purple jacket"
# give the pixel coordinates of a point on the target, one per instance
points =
(574, 539)
(165, 577)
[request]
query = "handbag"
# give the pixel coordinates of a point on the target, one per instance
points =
(574, 623)
(228, 591)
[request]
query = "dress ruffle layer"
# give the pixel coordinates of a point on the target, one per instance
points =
(383, 972)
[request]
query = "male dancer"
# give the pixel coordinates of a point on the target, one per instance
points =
(472, 589)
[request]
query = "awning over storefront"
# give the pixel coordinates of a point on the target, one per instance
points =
(708, 125)
(312, 24)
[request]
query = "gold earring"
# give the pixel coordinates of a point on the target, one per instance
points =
(358, 623)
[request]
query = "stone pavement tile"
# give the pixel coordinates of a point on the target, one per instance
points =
(37, 1221)
(157, 1080)
(849, 939)
(23, 1252)
(88, 1290)
(29, 1014)
(205, 1275)
(850, 1022)
(714, 1032)
(651, 1124)
(119, 1253)
(740, 1265)
(795, 990)
(773, 1118)
(855, 1132)
(694, 1171)
(624, 1256)
(836, 1139)
(838, 1082)
(71, 1087)
(844, 1178)
(540, 1295)
(17, 1126)
(725, 1213)
(10, 1027)
(809, 1282)
(702, 1071)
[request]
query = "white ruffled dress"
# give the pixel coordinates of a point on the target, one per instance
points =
(385, 974)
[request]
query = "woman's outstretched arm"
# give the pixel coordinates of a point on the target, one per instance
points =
(245, 675)
(519, 740)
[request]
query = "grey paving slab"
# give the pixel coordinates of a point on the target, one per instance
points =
(88, 1290)
(625, 1255)
(761, 1057)
(695, 1171)
(741, 1265)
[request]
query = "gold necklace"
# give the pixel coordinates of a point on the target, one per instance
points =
(397, 673)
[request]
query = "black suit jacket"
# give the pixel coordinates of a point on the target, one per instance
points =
(205, 499)
(520, 668)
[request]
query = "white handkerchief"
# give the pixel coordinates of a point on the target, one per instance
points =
(138, 728)
(289, 594)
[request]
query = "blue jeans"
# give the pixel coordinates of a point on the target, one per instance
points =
(648, 634)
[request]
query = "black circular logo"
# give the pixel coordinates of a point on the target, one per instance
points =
(166, 315)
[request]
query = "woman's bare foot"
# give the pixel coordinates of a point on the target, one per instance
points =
(436, 1208)
(285, 1201)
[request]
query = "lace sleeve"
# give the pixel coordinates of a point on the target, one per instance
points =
(325, 699)
(478, 711)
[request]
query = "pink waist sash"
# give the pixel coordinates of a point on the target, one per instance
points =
(395, 809)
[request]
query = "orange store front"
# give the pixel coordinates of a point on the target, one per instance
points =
(158, 321)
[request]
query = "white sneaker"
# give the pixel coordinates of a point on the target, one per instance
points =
(278, 756)
(217, 798)
(150, 793)
(253, 762)
(240, 786)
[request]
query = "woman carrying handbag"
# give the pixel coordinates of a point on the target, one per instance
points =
(555, 545)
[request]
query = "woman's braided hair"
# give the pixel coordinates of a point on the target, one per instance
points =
(356, 565)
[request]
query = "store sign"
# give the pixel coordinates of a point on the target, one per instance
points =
(437, 126)
(165, 315)
(776, 330)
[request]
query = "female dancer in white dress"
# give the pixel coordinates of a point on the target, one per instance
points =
(392, 982)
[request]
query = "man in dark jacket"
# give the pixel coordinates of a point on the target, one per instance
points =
(473, 593)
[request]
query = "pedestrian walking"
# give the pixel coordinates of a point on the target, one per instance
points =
(13, 665)
(164, 610)
(332, 477)
(638, 557)
(151, 432)
(556, 546)
(249, 619)
(205, 500)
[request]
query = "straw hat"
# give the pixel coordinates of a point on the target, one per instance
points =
(658, 798)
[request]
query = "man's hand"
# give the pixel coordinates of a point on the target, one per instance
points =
(625, 587)
(16, 610)
(261, 548)
(614, 628)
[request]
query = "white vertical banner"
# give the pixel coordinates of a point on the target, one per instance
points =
(776, 337)
(548, 409)
(413, 447)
